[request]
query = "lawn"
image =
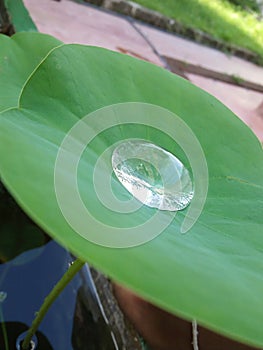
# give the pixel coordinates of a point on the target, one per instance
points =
(219, 18)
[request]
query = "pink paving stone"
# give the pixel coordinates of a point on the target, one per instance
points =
(191, 52)
(246, 104)
(83, 24)
(76, 23)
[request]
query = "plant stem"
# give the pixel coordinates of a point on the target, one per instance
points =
(62, 283)
(4, 329)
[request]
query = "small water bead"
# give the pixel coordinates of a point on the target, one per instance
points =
(3, 296)
(152, 175)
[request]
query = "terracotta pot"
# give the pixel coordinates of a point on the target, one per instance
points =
(164, 331)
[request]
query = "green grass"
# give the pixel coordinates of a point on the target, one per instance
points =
(219, 18)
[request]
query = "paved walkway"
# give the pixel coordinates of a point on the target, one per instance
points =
(85, 24)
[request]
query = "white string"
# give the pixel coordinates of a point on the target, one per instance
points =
(195, 335)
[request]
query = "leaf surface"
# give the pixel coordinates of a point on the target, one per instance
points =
(19, 56)
(19, 16)
(213, 273)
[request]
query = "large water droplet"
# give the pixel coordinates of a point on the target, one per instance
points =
(152, 175)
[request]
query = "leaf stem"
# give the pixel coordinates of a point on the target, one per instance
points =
(62, 283)
(4, 329)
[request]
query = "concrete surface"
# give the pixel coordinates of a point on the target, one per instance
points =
(243, 102)
(156, 19)
(85, 24)
(174, 46)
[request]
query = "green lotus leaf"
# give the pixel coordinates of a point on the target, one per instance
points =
(19, 16)
(19, 56)
(212, 273)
